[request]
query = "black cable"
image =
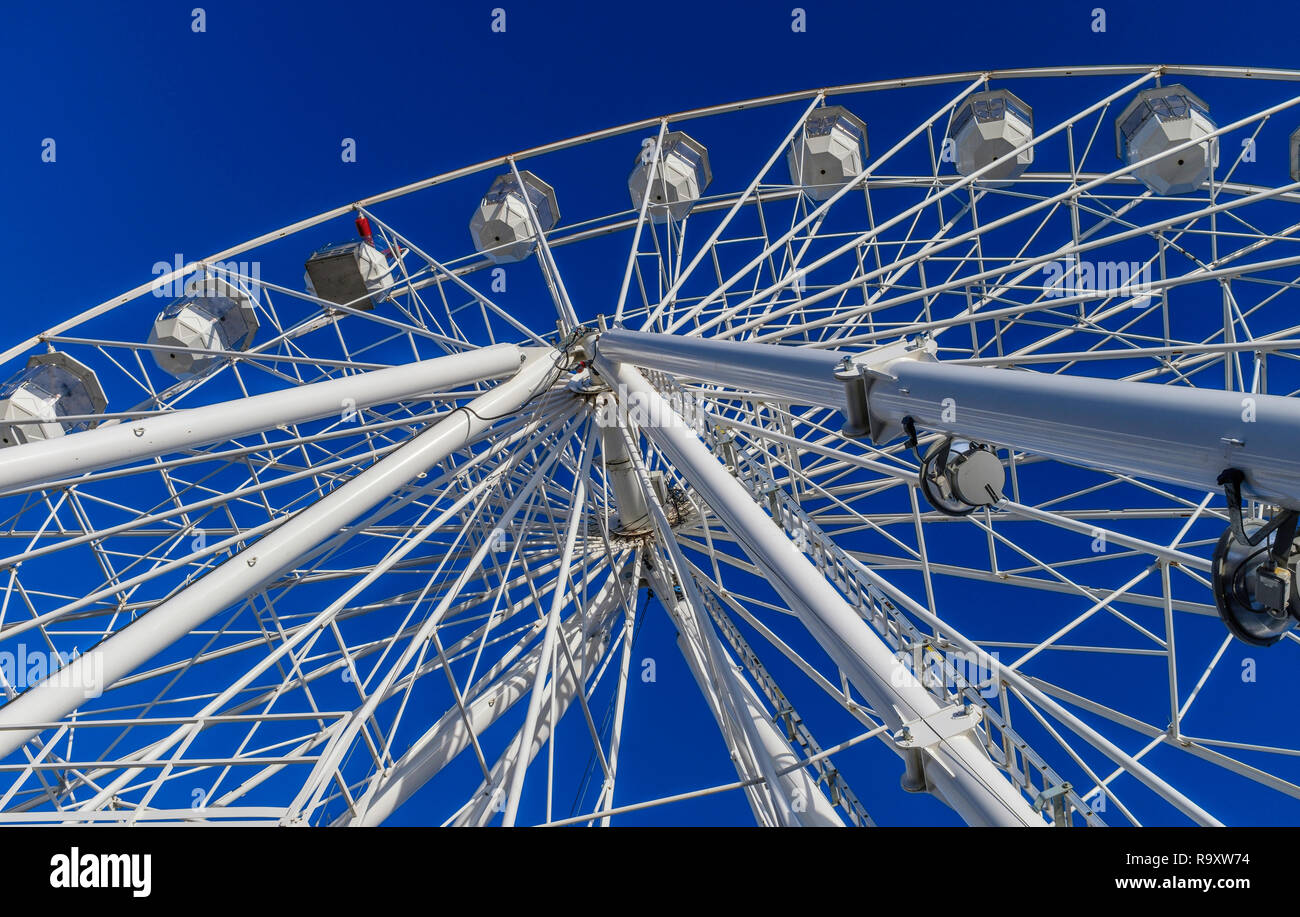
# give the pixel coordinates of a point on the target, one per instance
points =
(559, 371)
(1286, 520)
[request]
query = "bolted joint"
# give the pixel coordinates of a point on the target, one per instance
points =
(861, 372)
(916, 739)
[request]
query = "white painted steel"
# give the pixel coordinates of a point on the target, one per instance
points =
(960, 772)
(117, 443)
(559, 693)
(493, 697)
(1180, 435)
(267, 558)
(788, 795)
(633, 514)
(799, 375)
(765, 295)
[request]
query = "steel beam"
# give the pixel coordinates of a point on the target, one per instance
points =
(556, 696)
(796, 798)
(1178, 435)
(798, 375)
(793, 796)
(118, 443)
(633, 513)
(266, 559)
(586, 635)
(955, 768)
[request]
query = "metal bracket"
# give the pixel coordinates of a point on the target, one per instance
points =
(861, 371)
(1054, 798)
(917, 738)
(928, 731)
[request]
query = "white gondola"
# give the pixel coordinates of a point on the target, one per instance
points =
(501, 226)
(53, 386)
(216, 316)
(680, 176)
(828, 151)
(1166, 119)
(354, 274)
(987, 130)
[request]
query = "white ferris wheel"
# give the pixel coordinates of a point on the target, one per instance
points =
(949, 421)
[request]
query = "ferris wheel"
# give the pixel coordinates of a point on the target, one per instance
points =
(948, 422)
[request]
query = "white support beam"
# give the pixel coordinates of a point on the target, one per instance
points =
(556, 696)
(792, 795)
(1179, 435)
(265, 559)
(956, 768)
(797, 375)
(762, 802)
(633, 514)
(492, 698)
(795, 796)
(118, 443)
(1176, 434)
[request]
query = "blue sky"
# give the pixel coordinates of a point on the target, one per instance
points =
(170, 141)
(173, 142)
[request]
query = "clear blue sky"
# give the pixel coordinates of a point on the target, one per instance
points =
(170, 141)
